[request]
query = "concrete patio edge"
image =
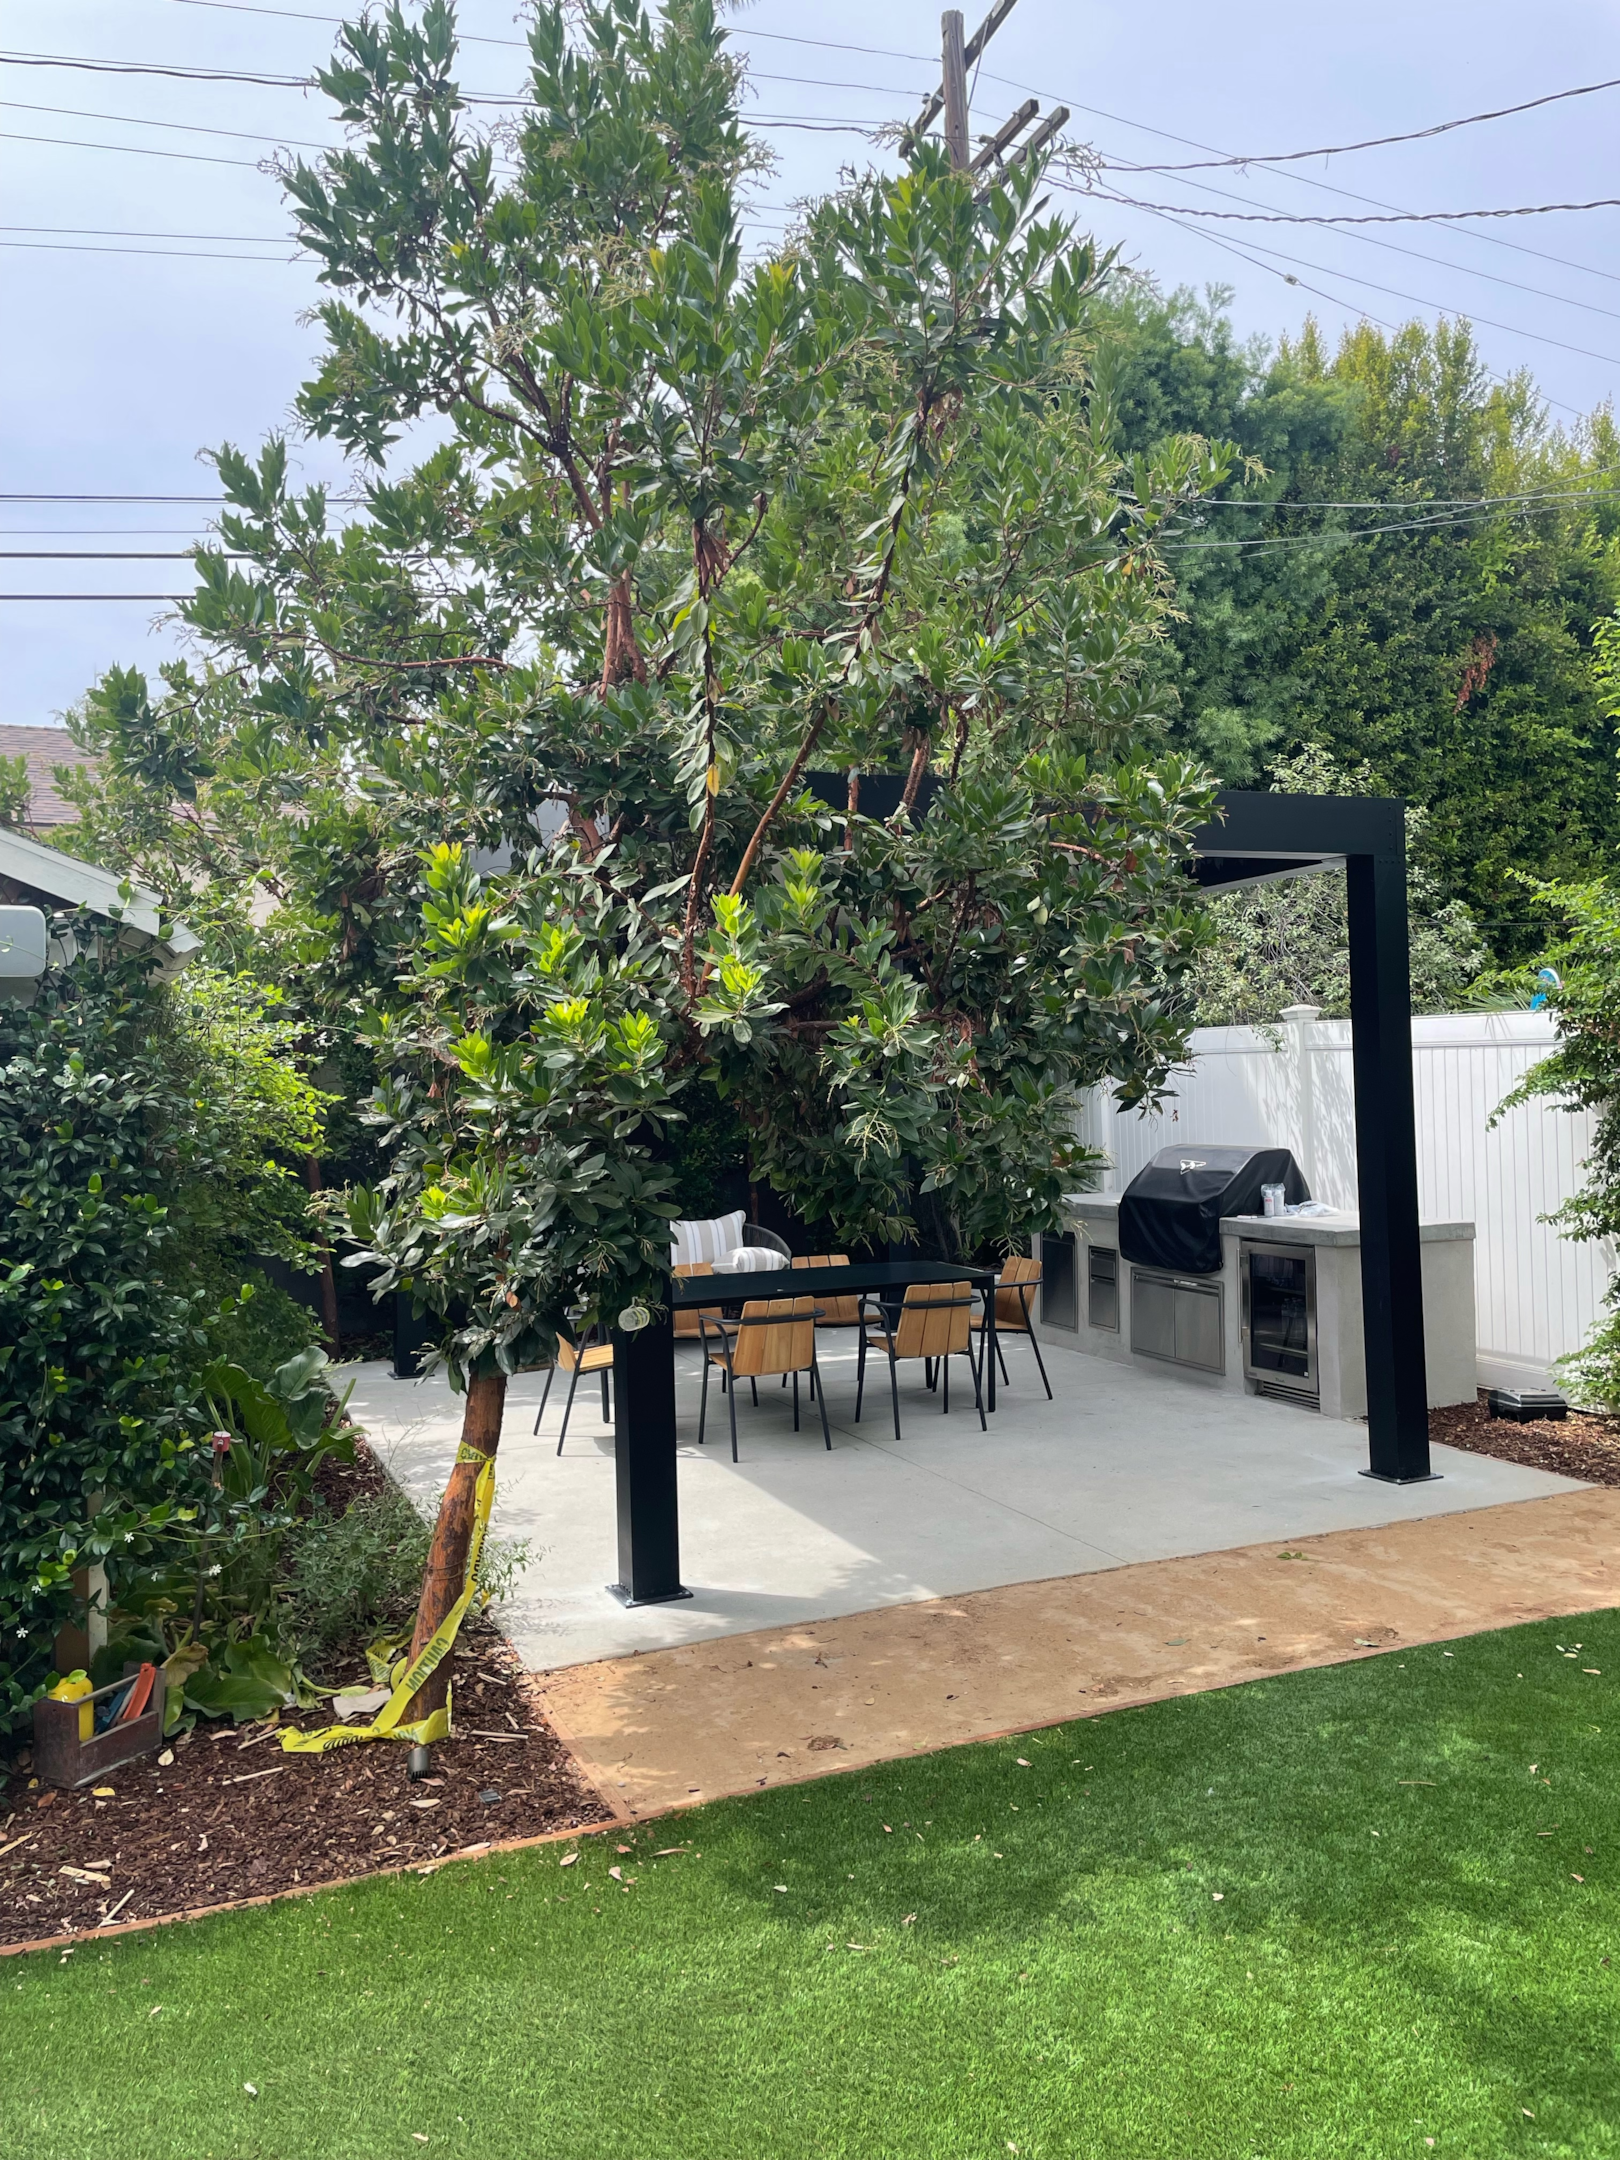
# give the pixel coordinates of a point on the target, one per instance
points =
(675, 1727)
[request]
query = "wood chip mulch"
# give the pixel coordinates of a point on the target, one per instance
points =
(230, 1816)
(1577, 1447)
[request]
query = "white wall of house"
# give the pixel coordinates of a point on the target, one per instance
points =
(1536, 1293)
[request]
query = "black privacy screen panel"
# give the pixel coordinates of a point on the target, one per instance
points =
(1170, 1213)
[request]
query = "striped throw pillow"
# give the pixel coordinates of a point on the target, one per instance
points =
(755, 1260)
(710, 1238)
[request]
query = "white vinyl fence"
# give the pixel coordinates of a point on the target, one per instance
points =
(1536, 1294)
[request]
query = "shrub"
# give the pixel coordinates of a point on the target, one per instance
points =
(138, 1131)
(354, 1574)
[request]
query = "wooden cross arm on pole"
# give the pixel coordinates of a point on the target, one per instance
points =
(970, 52)
(1006, 133)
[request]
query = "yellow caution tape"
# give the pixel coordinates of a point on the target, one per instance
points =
(409, 1675)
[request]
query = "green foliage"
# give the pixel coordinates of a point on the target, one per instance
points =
(1583, 1073)
(1452, 650)
(134, 1160)
(355, 1574)
(520, 752)
(1288, 944)
(15, 794)
(261, 1327)
(707, 1156)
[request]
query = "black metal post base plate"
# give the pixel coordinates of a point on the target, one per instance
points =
(617, 1590)
(1383, 1477)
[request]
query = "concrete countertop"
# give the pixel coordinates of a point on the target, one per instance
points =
(1342, 1227)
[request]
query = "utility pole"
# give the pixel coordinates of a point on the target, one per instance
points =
(954, 84)
(951, 98)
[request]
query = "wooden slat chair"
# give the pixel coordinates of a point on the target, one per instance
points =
(936, 1323)
(687, 1328)
(842, 1311)
(574, 1359)
(1016, 1286)
(774, 1335)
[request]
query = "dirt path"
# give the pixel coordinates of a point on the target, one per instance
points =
(731, 1715)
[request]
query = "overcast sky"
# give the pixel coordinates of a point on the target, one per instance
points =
(120, 366)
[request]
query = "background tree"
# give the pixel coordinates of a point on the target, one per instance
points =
(1289, 943)
(1449, 648)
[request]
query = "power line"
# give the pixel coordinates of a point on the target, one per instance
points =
(135, 232)
(1394, 217)
(467, 37)
(1362, 532)
(152, 67)
(186, 157)
(1394, 292)
(179, 127)
(97, 596)
(104, 555)
(1441, 262)
(1323, 187)
(96, 532)
(1380, 142)
(212, 499)
(1419, 502)
(84, 247)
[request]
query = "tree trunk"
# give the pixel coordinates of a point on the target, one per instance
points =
(452, 1533)
(329, 1301)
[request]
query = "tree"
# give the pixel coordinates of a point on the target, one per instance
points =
(1289, 943)
(1440, 633)
(527, 746)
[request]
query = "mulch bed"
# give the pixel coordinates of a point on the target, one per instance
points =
(230, 1816)
(1577, 1447)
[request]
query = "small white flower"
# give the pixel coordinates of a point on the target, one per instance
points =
(215, 1569)
(23, 1632)
(129, 1537)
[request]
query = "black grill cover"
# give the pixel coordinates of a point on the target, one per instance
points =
(1170, 1213)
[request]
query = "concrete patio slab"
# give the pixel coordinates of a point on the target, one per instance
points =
(1125, 1466)
(679, 1726)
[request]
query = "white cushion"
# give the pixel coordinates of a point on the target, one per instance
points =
(708, 1239)
(755, 1260)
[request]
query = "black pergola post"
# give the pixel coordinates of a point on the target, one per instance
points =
(1257, 838)
(644, 1464)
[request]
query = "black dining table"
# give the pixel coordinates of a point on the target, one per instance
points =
(649, 1542)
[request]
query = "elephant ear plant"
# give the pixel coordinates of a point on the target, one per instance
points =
(203, 1594)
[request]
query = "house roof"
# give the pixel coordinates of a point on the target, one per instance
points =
(34, 869)
(44, 747)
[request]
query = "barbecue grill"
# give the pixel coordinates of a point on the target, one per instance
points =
(1170, 1213)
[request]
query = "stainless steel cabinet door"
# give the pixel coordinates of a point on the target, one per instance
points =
(1198, 1329)
(1153, 1315)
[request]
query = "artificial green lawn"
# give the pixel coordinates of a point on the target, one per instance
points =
(1235, 1924)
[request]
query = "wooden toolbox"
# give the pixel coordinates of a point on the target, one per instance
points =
(62, 1758)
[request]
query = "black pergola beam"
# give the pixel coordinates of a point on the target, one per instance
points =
(1255, 838)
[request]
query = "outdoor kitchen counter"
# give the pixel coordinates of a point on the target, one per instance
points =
(1448, 1301)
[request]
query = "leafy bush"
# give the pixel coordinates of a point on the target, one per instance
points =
(1581, 988)
(353, 1574)
(139, 1130)
(262, 1326)
(1289, 944)
(356, 1575)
